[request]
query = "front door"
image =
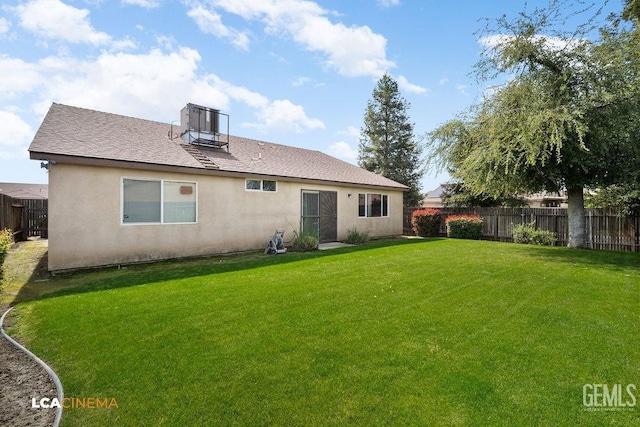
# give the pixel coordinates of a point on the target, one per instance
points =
(320, 215)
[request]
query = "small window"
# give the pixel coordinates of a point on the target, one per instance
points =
(253, 184)
(372, 205)
(268, 185)
(261, 185)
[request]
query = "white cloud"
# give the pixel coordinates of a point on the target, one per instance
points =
(16, 136)
(56, 20)
(277, 57)
(240, 93)
(153, 85)
(147, 4)
(351, 50)
(17, 77)
(343, 151)
(443, 81)
(5, 25)
(282, 115)
(494, 40)
(388, 3)
(462, 89)
(300, 81)
(210, 22)
(350, 131)
(410, 87)
(552, 43)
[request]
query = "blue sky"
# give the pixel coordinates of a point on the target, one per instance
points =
(294, 72)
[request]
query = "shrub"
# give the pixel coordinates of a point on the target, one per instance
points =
(6, 239)
(522, 233)
(355, 237)
(544, 238)
(305, 243)
(528, 234)
(464, 227)
(426, 222)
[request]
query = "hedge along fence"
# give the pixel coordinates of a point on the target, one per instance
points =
(530, 235)
(6, 239)
(464, 226)
(605, 228)
(426, 222)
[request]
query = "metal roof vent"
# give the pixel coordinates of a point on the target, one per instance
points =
(201, 126)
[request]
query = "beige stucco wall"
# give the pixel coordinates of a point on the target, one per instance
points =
(86, 229)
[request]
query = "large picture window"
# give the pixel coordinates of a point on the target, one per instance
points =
(158, 202)
(371, 205)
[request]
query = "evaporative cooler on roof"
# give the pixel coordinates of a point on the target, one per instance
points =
(201, 125)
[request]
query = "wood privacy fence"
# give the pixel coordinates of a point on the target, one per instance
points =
(605, 228)
(26, 217)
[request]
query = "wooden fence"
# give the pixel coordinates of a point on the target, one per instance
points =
(37, 211)
(26, 217)
(605, 229)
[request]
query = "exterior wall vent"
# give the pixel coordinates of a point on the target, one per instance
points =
(201, 126)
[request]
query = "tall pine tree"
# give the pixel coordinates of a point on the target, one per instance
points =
(387, 143)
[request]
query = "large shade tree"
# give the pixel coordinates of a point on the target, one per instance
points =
(387, 143)
(566, 118)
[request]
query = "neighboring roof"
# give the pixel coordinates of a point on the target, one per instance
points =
(434, 197)
(87, 134)
(24, 191)
(437, 193)
(545, 195)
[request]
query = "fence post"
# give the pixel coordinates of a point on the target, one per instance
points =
(637, 232)
(25, 224)
(590, 229)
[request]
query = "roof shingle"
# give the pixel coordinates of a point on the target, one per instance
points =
(90, 134)
(24, 191)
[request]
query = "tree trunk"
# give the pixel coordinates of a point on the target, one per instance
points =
(575, 213)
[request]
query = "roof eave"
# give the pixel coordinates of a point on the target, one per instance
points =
(101, 162)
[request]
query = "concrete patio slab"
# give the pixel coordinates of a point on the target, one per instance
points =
(332, 245)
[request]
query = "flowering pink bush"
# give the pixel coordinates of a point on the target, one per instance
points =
(426, 222)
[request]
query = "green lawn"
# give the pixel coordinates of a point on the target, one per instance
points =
(407, 332)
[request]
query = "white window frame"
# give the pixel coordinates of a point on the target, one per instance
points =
(261, 189)
(161, 181)
(366, 205)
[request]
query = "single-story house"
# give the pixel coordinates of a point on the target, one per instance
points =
(433, 198)
(23, 191)
(125, 190)
(545, 199)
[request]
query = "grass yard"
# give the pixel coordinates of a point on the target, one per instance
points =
(406, 332)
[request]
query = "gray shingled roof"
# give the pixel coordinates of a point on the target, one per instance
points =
(24, 191)
(87, 134)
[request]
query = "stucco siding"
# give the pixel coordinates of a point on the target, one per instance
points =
(86, 228)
